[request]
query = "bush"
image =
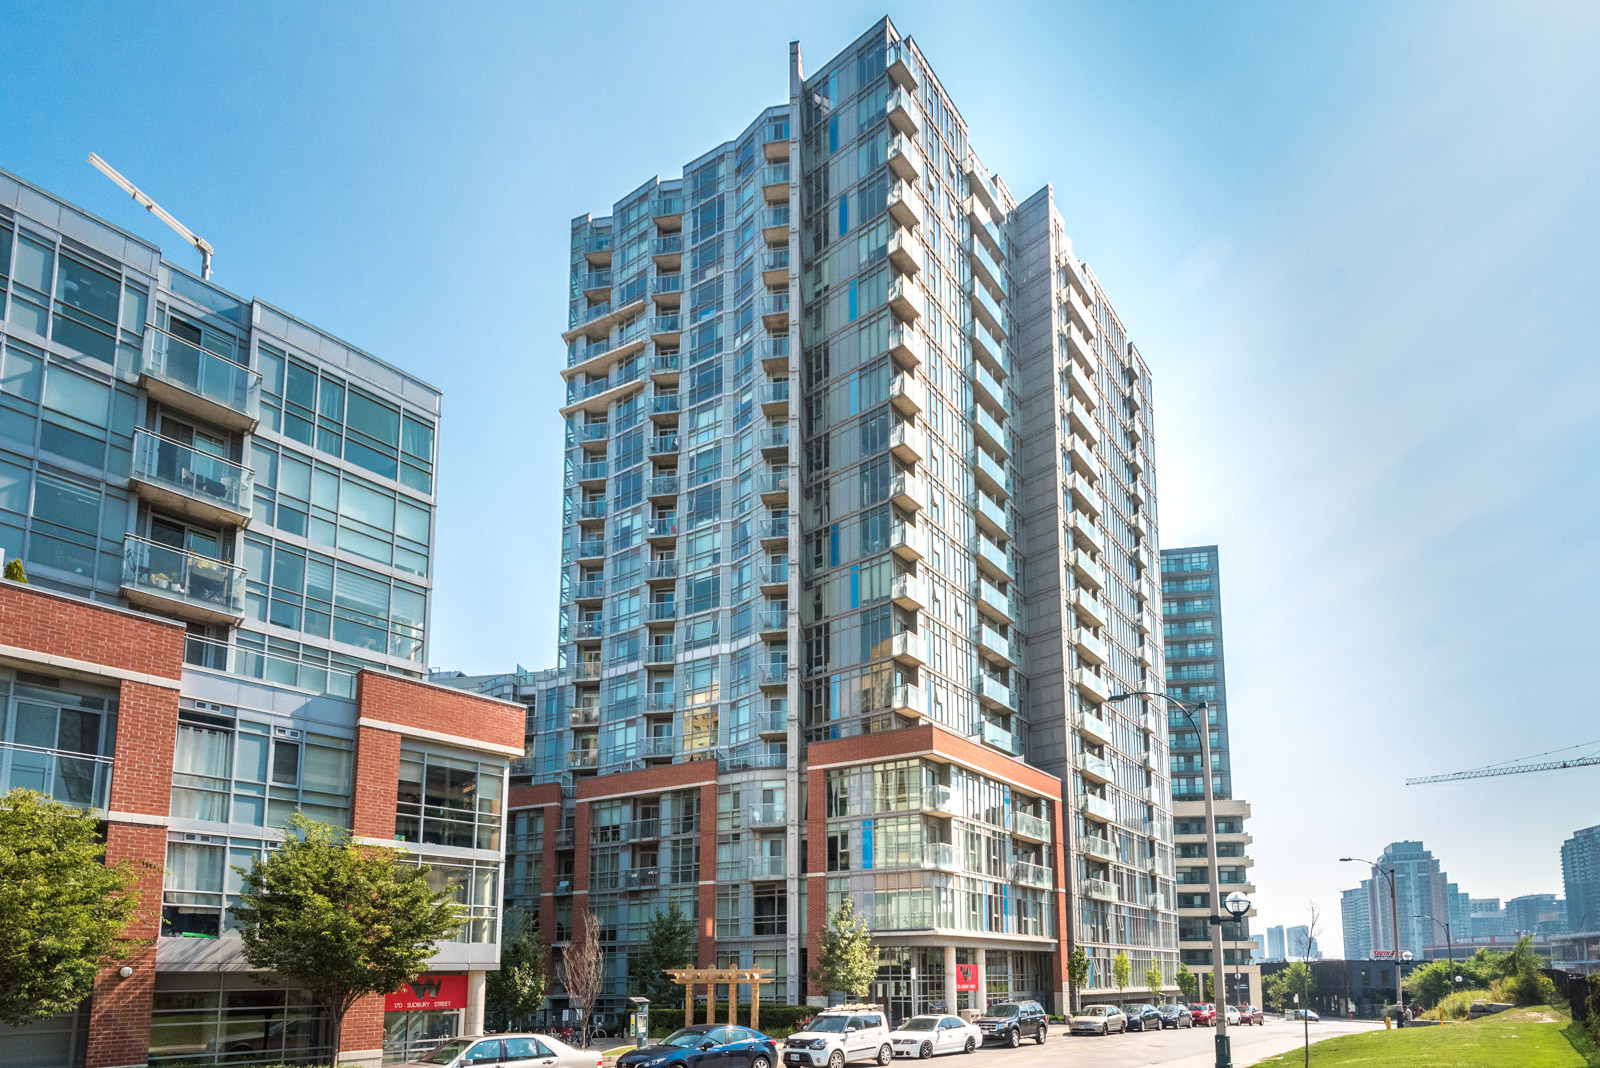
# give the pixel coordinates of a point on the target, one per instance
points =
(774, 1017)
(1528, 988)
(1457, 1005)
(1592, 1024)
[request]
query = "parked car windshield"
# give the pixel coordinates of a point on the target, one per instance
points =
(685, 1037)
(447, 1052)
(1003, 1010)
(1093, 1010)
(920, 1023)
(829, 1024)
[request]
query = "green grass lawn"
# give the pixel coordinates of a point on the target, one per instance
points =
(1521, 1038)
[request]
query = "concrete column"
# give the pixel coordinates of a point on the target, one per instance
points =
(477, 987)
(982, 1001)
(950, 979)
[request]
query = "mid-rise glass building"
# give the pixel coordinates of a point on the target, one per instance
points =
(859, 539)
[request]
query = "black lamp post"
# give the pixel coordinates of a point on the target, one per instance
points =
(1394, 910)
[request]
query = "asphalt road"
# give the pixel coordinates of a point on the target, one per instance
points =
(1189, 1048)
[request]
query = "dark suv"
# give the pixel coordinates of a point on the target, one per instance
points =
(1012, 1021)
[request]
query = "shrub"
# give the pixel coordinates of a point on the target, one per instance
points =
(1456, 1005)
(774, 1017)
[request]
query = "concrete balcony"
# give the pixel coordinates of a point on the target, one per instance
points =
(187, 585)
(907, 491)
(583, 759)
(1080, 314)
(906, 394)
(773, 487)
(775, 311)
(190, 379)
(986, 387)
(662, 445)
(667, 291)
(775, 225)
(189, 482)
(1080, 385)
(906, 541)
(1026, 825)
(662, 529)
(1084, 535)
(773, 532)
(908, 592)
(901, 66)
(658, 746)
(993, 601)
(938, 800)
(992, 558)
(772, 724)
(1082, 421)
(1085, 498)
(904, 159)
(773, 441)
(1146, 655)
(1089, 608)
(905, 253)
(984, 267)
(589, 590)
(991, 474)
(775, 141)
(1097, 808)
(908, 701)
(775, 397)
(773, 577)
(662, 487)
(1090, 649)
(1094, 729)
(904, 113)
(1029, 874)
(1095, 847)
(667, 251)
(997, 737)
(940, 856)
(773, 352)
(1093, 768)
(588, 630)
(907, 648)
(583, 716)
(775, 183)
(908, 443)
(772, 676)
(772, 621)
(987, 346)
(990, 514)
(1083, 459)
(775, 267)
(1100, 890)
(1080, 347)
(591, 549)
(993, 644)
(905, 205)
(906, 347)
(992, 693)
(905, 300)
(989, 434)
(1088, 572)
(592, 510)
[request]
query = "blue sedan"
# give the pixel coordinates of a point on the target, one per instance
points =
(706, 1046)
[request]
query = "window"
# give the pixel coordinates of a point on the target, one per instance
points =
(448, 800)
(242, 771)
(57, 739)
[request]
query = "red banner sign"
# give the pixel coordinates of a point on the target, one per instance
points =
(966, 977)
(427, 992)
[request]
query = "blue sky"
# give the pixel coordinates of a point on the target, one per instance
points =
(1355, 245)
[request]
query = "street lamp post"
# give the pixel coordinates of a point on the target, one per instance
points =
(1238, 906)
(1449, 945)
(1223, 1043)
(1394, 910)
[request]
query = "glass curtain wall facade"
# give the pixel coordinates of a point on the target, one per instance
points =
(803, 379)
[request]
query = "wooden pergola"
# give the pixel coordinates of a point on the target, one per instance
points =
(689, 978)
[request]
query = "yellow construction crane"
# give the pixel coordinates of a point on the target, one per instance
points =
(1584, 761)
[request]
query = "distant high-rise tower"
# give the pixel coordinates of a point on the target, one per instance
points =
(1580, 874)
(1355, 913)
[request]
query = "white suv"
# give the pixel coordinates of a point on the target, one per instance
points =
(838, 1035)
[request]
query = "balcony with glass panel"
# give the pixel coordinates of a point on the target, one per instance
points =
(901, 66)
(773, 352)
(208, 655)
(992, 557)
(1100, 889)
(994, 645)
(82, 780)
(1088, 572)
(665, 406)
(905, 541)
(1093, 768)
(905, 205)
(905, 253)
(775, 397)
(991, 474)
(775, 140)
(992, 693)
(667, 291)
(1026, 825)
(905, 300)
(773, 577)
(1081, 454)
(907, 648)
(1094, 729)
(908, 701)
(596, 248)
(588, 630)
(990, 514)
(775, 267)
(191, 379)
(667, 251)
(940, 856)
(775, 225)
(938, 800)
(592, 511)
(596, 285)
(591, 549)
(908, 443)
(1097, 847)
(662, 445)
(660, 652)
(772, 621)
(989, 433)
(189, 482)
(993, 600)
(986, 387)
(773, 675)
(593, 473)
(1085, 497)
(984, 267)
(662, 487)
(772, 724)
(583, 759)
(986, 346)
(188, 585)
(766, 869)
(997, 737)
(906, 346)
(775, 183)
(908, 491)
(1085, 535)
(1091, 650)
(658, 746)
(661, 611)
(773, 441)
(904, 159)
(589, 590)
(906, 394)
(983, 188)
(1082, 317)
(903, 112)
(773, 531)
(773, 487)
(987, 309)
(1030, 874)
(661, 569)
(769, 815)
(774, 309)
(666, 211)
(908, 592)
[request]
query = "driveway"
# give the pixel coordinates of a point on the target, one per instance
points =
(1190, 1048)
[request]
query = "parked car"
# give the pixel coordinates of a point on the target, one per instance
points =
(506, 1051)
(718, 1045)
(924, 1036)
(1143, 1017)
(839, 1035)
(1099, 1020)
(1204, 1015)
(1252, 1014)
(1176, 1016)
(1233, 1016)
(1012, 1021)
(1305, 1014)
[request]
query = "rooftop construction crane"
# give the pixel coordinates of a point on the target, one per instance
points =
(1587, 760)
(201, 245)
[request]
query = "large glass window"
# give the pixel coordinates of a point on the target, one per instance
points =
(57, 740)
(449, 800)
(244, 771)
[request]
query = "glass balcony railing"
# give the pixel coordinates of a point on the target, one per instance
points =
(997, 736)
(215, 587)
(772, 348)
(940, 856)
(279, 670)
(81, 779)
(765, 868)
(664, 445)
(671, 245)
(769, 815)
(667, 204)
(1030, 874)
(1030, 826)
(198, 476)
(666, 568)
(658, 745)
(202, 374)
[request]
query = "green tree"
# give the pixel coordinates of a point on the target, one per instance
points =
(343, 920)
(1078, 970)
(1188, 985)
(1435, 980)
(516, 991)
(15, 573)
(1211, 986)
(1154, 980)
(1525, 980)
(847, 960)
(62, 909)
(668, 943)
(1280, 987)
(1121, 971)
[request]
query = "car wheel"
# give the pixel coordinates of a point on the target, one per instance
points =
(836, 1059)
(972, 1044)
(760, 1061)
(1038, 1036)
(885, 1054)
(925, 1050)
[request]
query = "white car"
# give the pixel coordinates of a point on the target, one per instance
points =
(839, 1035)
(505, 1051)
(1233, 1015)
(1099, 1020)
(924, 1036)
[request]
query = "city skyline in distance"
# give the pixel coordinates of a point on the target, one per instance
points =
(1312, 218)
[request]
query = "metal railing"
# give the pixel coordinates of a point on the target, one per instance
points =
(268, 667)
(183, 576)
(81, 779)
(204, 374)
(164, 462)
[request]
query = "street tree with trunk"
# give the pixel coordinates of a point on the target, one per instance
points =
(62, 908)
(517, 990)
(341, 919)
(1154, 980)
(583, 968)
(847, 960)
(1188, 983)
(668, 943)
(1121, 971)
(1078, 973)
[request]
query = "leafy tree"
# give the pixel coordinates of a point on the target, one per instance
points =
(1078, 970)
(1154, 980)
(847, 959)
(15, 573)
(62, 909)
(516, 991)
(1121, 971)
(1525, 981)
(1435, 980)
(1211, 986)
(1188, 984)
(343, 920)
(1280, 987)
(583, 969)
(668, 943)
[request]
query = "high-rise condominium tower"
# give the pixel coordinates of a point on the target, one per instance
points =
(859, 539)
(1191, 595)
(1580, 874)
